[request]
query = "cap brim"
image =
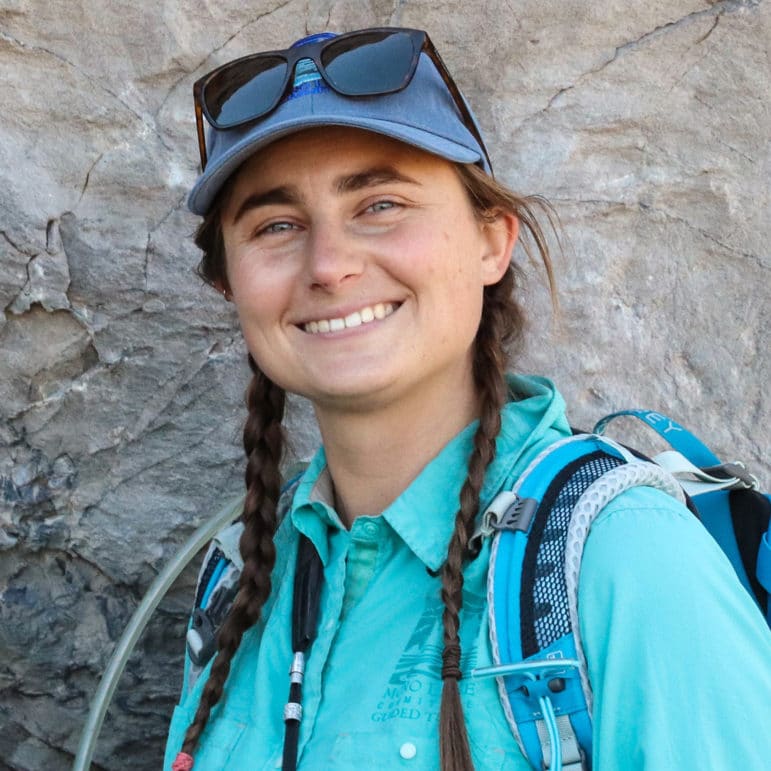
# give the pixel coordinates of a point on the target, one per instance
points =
(218, 172)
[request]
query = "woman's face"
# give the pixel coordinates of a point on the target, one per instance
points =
(357, 267)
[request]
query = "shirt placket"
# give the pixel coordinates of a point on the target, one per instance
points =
(352, 564)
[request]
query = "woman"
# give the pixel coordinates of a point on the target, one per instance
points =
(351, 217)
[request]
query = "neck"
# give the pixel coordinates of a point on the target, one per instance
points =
(374, 455)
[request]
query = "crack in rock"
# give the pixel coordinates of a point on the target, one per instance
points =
(88, 178)
(717, 10)
(26, 251)
(92, 81)
(397, 13)
(186, 73)
(755, 258)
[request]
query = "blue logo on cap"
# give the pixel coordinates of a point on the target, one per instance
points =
(307, 80)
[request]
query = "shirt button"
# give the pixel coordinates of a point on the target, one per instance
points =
(370, 529)
(408, 750)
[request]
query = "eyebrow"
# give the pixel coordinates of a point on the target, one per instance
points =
(273, 196)
(349, 183)
(370, 178)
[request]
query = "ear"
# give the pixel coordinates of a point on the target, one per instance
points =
(500, 236)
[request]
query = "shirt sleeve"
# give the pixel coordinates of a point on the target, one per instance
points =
(679, 655)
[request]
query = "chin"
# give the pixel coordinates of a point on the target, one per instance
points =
(354, 393)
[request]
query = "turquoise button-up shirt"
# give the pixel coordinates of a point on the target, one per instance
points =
(672, 640)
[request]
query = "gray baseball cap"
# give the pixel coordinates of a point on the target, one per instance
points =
(423, 114)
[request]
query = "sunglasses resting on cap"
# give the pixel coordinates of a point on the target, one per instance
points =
(391, 81)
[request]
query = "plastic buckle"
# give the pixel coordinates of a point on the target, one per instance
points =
(734, 470)
(535, 679)
(201, 638)
(202, 635)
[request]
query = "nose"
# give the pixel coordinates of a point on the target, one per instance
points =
(334, 258)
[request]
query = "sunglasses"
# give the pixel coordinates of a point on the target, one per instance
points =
(371, 62)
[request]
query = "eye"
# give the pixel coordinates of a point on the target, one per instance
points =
(379, 206)
(275, 228)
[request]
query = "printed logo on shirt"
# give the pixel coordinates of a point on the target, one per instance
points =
(415, 686)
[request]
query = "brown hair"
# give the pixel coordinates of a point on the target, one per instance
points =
(499, 335)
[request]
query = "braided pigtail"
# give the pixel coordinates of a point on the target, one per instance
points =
(500, 333)
(489, 371)
(263, 443)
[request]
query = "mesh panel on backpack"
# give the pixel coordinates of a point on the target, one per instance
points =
(543, 577)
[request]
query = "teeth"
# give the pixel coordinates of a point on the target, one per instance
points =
(355, 319)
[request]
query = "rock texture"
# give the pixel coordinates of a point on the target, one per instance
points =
(122, 377)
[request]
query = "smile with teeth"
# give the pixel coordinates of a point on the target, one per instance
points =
(356, 319)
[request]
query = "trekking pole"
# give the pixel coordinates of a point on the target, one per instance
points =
(137, 624)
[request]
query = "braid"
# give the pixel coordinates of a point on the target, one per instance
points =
(263, 443)
(489, 371)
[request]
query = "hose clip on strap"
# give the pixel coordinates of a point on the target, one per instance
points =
(508, 511)
(536, 682)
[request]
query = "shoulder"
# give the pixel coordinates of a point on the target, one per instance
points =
(653, 582)
(644, 539)
(676, 650)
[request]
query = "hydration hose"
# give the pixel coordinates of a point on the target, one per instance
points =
(137, 624)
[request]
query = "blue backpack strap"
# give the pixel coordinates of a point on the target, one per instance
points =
(218, 583)
(764, 565)
(726, 497)
(672, 432)
(539, 530)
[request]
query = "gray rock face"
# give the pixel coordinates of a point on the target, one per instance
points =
(122, 377)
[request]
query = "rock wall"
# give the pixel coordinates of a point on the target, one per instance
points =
(122, 377)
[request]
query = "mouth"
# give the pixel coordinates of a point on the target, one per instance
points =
(365, 315)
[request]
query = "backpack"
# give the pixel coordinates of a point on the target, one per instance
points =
(539, 530)
(533, 576)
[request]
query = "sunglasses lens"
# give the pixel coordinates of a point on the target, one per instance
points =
(245, 90)
(370, 63)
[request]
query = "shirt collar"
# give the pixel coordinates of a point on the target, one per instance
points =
(424, 514)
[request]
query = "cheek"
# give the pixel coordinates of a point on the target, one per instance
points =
(261, 305)
(258, 287)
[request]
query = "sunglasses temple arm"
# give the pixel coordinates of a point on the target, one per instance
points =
(458, 97)
(201, 134)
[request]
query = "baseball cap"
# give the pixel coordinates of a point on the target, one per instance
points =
(423, 114)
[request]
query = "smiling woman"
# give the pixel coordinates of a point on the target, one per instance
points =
(351, 216)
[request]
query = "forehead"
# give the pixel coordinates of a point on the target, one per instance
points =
(328, 152)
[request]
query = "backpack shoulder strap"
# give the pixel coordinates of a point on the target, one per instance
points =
(218, 582)
(539, 530)
(726, 496)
